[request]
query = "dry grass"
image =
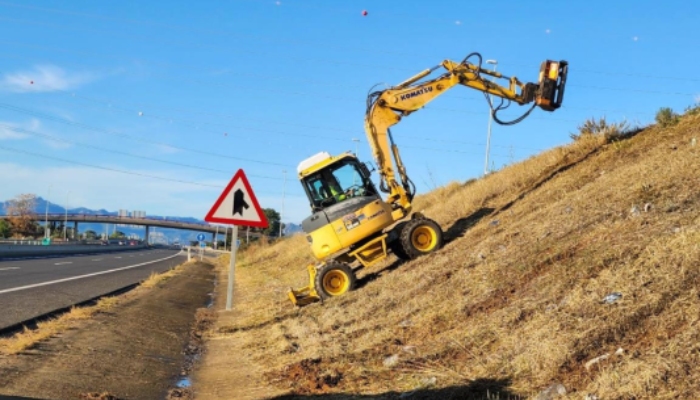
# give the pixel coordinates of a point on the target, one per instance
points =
(515, 296)
(45, 330)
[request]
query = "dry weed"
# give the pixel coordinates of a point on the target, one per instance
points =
(517, 292)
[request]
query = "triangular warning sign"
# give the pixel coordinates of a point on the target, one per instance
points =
(237, 205)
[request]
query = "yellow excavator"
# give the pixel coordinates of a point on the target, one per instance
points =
(351, 226)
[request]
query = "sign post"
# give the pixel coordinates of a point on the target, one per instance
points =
(235, 206)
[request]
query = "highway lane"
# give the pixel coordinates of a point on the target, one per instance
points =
(33, 287)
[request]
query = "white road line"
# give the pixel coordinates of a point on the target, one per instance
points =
(85, 276)
(64, 262)
(8, 268)
(117, 257)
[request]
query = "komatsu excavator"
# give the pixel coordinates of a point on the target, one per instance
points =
(351, 226)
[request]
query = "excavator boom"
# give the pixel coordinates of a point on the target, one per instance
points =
(386, 108)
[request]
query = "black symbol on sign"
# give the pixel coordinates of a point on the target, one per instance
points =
(239, 202)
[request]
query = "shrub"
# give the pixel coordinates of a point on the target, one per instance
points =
(591, 126)
(666, 117)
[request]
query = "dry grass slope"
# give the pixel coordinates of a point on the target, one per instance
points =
(513, 302)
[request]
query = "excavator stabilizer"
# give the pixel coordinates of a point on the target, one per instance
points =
(306, 295)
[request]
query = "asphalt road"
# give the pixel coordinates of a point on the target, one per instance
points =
(30, 288)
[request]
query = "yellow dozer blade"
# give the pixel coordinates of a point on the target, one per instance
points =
(306, 295)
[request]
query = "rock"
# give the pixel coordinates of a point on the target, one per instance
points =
(391, 361)
(612, 298)
(552, 392)
(647, 207)
(406, 323)
(595, 361)
(409, 349)
(494, 222)
(693, 142)
(634, 211)
(620, 351)
(591, 396)
(428, 382)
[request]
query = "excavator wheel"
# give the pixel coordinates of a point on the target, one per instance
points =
(420, 236)
(396, 246)
(334, 279)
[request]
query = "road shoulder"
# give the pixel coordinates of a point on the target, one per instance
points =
(135, 351)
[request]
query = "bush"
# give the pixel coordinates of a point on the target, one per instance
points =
(591, 126)
(666, 117)
(694, 109)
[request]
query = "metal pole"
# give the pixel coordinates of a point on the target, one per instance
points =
(65, 218)
(46, 217)
(284, 188)
(232, 266)
(225, 236)
(488, 135)
(216, 236)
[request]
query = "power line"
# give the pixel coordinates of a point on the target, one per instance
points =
(105, 168)
(54, 138)
(120, 134)
(13, 150)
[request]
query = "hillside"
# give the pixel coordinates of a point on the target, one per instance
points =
(514, 302)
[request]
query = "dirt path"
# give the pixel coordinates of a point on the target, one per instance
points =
(133, 352)
(226, 370)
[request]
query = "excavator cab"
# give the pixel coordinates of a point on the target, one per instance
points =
(336, 183)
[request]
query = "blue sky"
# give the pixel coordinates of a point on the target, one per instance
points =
(148, 106)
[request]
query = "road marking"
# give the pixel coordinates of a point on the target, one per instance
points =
(96, 259)
(8, 268)
(64, 262)
(86, 276)
(117, 257)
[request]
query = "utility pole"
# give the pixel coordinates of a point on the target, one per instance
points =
(284, 188)
(488, 135)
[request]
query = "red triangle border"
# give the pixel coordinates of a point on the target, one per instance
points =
(263, 223)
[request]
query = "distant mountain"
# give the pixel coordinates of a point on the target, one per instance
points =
(291, 229)
(184, 236)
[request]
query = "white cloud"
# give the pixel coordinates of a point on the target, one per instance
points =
(164, 148)
(6, 133)
(12, 130)
(43, 78)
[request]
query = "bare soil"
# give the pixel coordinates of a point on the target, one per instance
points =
(135, 351)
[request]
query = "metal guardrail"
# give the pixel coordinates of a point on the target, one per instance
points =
(34, 242)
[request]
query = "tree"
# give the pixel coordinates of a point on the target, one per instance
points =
(117, 235)
(5, 230)
(273, 218)
(20, 212)
(90, 234)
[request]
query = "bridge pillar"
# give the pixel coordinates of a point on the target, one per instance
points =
(75, 230)
(148, 230)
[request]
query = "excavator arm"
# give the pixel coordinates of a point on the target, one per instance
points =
(386, 108)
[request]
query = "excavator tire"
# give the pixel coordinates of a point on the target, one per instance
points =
(396, 246)
(334, 279)
(420, 236)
